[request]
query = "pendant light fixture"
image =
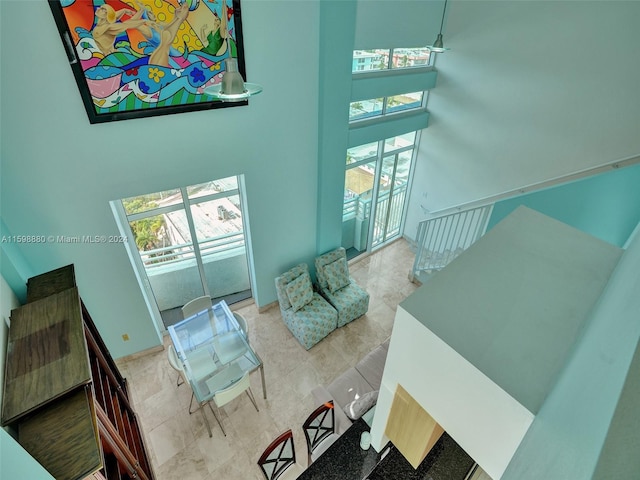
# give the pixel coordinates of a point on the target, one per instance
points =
(438, 46)
(232, 88)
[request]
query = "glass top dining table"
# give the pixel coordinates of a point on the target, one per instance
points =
(214, 352)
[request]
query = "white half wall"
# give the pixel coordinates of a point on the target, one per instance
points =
(464, 401)
(575, 421)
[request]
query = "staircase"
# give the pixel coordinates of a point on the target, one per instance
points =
(441, 239)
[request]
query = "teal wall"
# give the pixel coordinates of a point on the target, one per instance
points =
(336, 57)
(16, 463)
(338, 87)
(289, 144)
(619, 457)
(15, 267)
(548, 98)
(377, 25)
(59, 173)
(606, 206)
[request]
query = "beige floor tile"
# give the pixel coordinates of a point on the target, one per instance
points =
(170, 438)
(179, 444)
(187, 464)
(240, 468)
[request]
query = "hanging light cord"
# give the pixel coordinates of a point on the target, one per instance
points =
(443, 12)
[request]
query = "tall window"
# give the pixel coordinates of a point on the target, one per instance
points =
(377, 107)
(386, 59)
(377, 175)
(376, 182)
(191, 242)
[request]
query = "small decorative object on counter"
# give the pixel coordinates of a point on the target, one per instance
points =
(365, 440)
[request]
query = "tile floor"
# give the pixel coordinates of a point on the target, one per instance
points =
(178, 443)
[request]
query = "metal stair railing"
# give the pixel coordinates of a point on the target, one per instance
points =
(441, 239)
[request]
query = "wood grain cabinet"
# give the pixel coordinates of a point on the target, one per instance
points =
(410, 428)
(63, 393)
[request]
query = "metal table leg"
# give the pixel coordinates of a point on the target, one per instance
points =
(264, 385)
(206, 422)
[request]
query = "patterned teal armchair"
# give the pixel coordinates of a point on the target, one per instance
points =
(336, 285)
(309, 316)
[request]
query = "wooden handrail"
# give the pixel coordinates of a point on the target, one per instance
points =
(121, 450)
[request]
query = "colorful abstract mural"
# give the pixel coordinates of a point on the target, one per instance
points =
(137, 58)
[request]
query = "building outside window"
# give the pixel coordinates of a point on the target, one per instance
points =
(386, 59)
(377, 107)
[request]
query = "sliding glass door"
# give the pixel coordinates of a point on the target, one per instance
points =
(216, 210)
(191, 242)
(376, 183)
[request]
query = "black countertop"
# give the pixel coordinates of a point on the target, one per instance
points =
(345, 460)
(446, 461)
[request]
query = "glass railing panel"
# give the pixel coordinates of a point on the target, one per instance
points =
(219, 229)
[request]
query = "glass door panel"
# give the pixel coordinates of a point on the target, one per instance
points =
(398, 195)
(382, 200)
(167, 253)
(391, 196)
(220, 234)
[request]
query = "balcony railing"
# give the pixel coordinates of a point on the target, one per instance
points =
(185, 252)
(388, 217)
(350, 207)
(389, 214)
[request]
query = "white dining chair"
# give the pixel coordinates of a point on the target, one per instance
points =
(222, 397)
(243, 324)
(174, 361)
(196, 305)
(176, 364)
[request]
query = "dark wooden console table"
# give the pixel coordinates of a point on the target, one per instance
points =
(63, 393)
